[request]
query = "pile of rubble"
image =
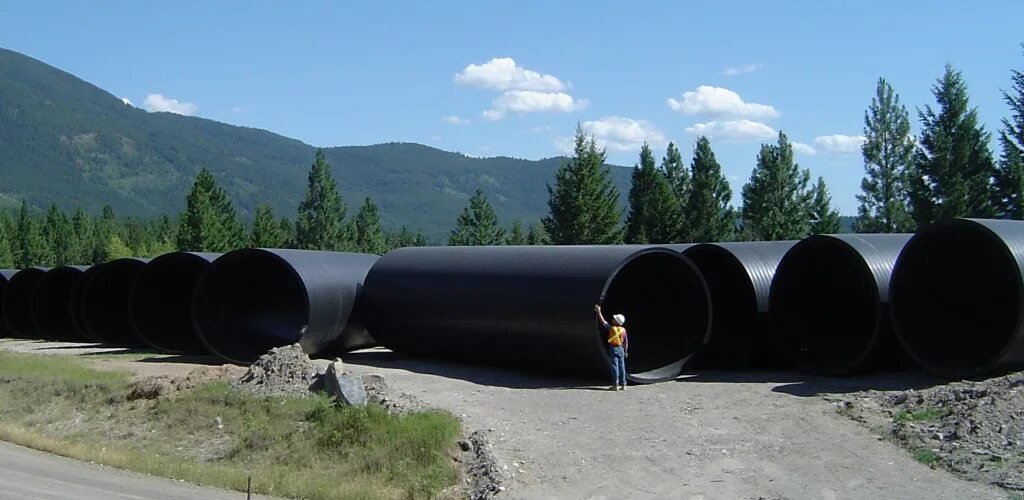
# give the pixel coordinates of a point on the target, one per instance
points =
(972, 428)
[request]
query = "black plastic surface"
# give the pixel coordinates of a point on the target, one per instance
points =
(51, 304)
(161, 301)
(105, 302)
(829, 303)
(5, 275)
(249, 301)
(17, 301)
(532, 307)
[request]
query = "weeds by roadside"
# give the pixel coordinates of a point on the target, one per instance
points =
(212, 435)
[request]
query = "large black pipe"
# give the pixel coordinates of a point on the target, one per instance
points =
(249, 301)
(739, 277)
(105, 300)
(77, 302)
(532, 307)
(829, 303)
(17, 301)
(5, 276)
(958, 297)
(161, 301)
(51, 303)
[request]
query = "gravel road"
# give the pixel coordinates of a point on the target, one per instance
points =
(762, 435)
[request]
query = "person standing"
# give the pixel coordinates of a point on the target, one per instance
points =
(618, 347)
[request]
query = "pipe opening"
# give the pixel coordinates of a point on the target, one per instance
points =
(162, 299)
(105, 303)
(956, 298)
(665, 302)
(241, 314)
(734, 315)
(825, 306)
(51, 304)
(17, 302)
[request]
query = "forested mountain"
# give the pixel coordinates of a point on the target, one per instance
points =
(67, 141)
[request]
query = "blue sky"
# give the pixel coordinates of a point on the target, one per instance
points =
(513, 78)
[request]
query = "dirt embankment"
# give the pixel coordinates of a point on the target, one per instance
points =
(974, 429)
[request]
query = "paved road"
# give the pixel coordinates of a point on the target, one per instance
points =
(26, 473)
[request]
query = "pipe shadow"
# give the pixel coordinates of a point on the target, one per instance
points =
(192, 359)
(477, 374)
(888, 381)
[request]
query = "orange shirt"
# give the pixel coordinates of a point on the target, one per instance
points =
(616, 336)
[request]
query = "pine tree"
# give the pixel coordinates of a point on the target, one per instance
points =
(584, 202)
(6, 239)
(266, 230)
(137, 237)
(477, 224)
(679, 180)
(1009, 177)
(516, 236)
(653, 207)
(369, 235)
(321, 223)
(288, 231)
(209, 223)
(103, 229)
(59, 237)
(776, 202)
(953, 166)
(537, 235)
(30, 248)
(824, 219)
(709, 213)
(82, 238)
(888, 152)
(406, 238)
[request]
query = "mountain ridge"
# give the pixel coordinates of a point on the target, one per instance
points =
(65, 140)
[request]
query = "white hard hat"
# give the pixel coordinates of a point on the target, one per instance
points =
(619, 319)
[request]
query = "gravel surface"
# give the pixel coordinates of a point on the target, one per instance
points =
(744, 436)
(972, 428)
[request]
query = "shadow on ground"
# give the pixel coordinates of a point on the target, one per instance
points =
(803, 385)
(477, 374)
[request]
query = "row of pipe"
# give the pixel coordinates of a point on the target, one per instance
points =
(949, 298)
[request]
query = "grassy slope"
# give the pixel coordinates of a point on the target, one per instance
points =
(292, 447)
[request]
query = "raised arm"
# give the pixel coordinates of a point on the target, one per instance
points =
(600, 317)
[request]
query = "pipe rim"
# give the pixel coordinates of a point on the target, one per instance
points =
(75, 271)
(150, 266)
(36, 274)
(211, 271)
(673, 369)
(862, 268)
(1018, 325)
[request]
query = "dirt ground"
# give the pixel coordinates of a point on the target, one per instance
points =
(743, 435)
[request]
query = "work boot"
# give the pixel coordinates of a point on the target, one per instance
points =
(613, 388)
(623, 387)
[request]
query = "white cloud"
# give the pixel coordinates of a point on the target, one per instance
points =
(750, 68)
(157, 102)
(239, 109)
(456, 120)
(127, 101)
(540, 130)
(502, 73)
(528, 101)
(624, 134)
(803, 149)
(733, 130)
(839, 143)
(720, 102)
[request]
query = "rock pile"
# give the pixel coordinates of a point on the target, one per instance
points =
(284, 371)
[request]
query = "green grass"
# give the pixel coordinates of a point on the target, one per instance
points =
(922, 415)
(927, 457)
(293, 447)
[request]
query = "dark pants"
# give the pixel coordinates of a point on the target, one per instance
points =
(618, 355)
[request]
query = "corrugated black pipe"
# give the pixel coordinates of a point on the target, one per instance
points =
(829, 303)
(51, 303)
(739, 277)
(249, 301)
(5, 276)
(17, 302)
(532, 307)
(958, 297)
(77, 303)
(161, 301)
(105, 302)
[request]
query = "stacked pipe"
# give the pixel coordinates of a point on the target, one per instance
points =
(17, 301)
(51, 304)
(161, 300)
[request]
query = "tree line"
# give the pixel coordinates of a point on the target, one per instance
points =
(947, 171)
